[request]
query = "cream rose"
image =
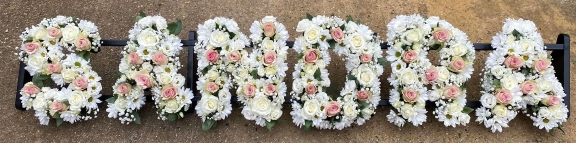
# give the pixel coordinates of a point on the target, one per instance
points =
(311, 107)
(219, 39)
(498, 71)
(212, 75)
(268, 44)
(454, 108)
(69, 33)
(303, 25)
(413, 35)
(312, 35)
(443, 74)
(69, 75)
(148, 38)
(76, 98)
(357, 40)
(275, 114)
(365, 75)
(349, 110)
(172, 106)
(408, 76)
(165, 78)
(40, 33)
(121, 104)
(261, 105)
(500, 110)
(488, 101)
(408, 110)
(367, 111)
(39, 103)
(527, 45)
(509, 82)
(209, 104)
(459, 49)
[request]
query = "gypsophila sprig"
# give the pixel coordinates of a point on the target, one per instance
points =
(77, 85)
(410, 38)
(518, 75)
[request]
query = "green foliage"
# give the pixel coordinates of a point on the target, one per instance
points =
(467, 110)
(136, 117)
(308, 16)
(317, 74)
(175, 27)
(208, 124)
(307, 125)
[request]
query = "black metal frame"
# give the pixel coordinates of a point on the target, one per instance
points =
(560, 61)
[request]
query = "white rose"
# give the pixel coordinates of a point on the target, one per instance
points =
(148, 38)
(413, 35)
(408, 76)
(527, 45)
(408, 111)
(443, 74)
(459, 49)
(241, 73)
(147, 66)
(500, 110)
(37, 61)
(297, 86)
(165, 78)
(510, 40)
(69, 33)
(544, 85)
(310, 108)
(312, 35)
(224, 95)
(310, 69)
(121, 104)
(271, 70)
(556, 112)
(464, 118)
(69, 75)
(39, 103)
(509, 82)
(365, 75)
(454, 108)
(40, 33)
(51, 93)
(178, 80)
(357, 41)
(172, 106)
(209, 104)
(544, 112)
(349, 110)
(351, 26)
(275, 114)
(321, 64)
(488, 100)
(219, 39)
(261, 105)
(268, 44)
(498, 71)
(303, 25)
(367, 111)
(77, 98)
(212, 75)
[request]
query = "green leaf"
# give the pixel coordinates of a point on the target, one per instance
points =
(142, 14)
(496, 82)
(467, 110)
(382, 62)
(516, 34)
(175, 27)
(317, 74)
(300, 55)
(59, 122)
(172, 117)
(205, 70)
(363, 104)
(358, 22)
(307, 125)
(232, 35)
(136, 117)
(56, 115)
(349, 18)
(332, 44)
(351, 77)
(111, 99)
(270, 124)
(41, 76)
(309, 16)
(561, 128)
(436, 47)
(85, 55)
(254, 74)
(525, 71)
(551, 132)
(535, 108)
(37, 82)
(118, 73)
(208, 124)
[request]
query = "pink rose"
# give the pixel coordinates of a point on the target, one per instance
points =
(311, 89)
(249, 90)
(54, 33)
(332, 108)
(269, 89)
(234, 56)
(269, 58)
(212, 56)
(80, 83)
(364, 95)
(30, 89)
(441, 35)
(541, 65)
(514, 62)
(528, 87)
(169, 92)
(457, 65)
(31, 47)
(269, 29)
(54, 68)
(58, 106)
(452, 92)
(135, 59)
(551, 100)
(124, 88)
(410, 56)
(503, 96)
(337, 34)
(310, 56)
(143, 80)
(366, 58)
(211, 87)
(431, 74)
(82, 44)
(159, 58)
(409, 95)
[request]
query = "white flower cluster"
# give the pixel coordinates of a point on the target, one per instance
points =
(261, 77)
(79, 86)
(410, 38)
(150, 61)
(518, 75)
(220, 51)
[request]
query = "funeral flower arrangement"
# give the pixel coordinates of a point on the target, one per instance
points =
(518, 76)
(78, 87)
(150, 61)
(220, 50)
(311, 106)
(261, 78)
(410, 38)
